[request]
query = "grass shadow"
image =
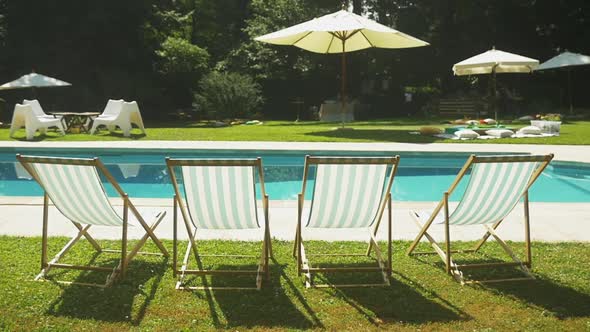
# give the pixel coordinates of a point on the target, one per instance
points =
(20, 135)
(271, 307)
(552, 298)
(125, 301)
(404, 301)
(382, 135)
(119, 134)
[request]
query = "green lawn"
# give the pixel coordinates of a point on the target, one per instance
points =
(421, 297)
(397, 130)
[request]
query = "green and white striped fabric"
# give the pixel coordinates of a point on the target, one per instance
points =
(221, 197)
(493, 191)
(77, 192)
(346, 196)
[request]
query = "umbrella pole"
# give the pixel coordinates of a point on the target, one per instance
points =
(495, 96)
(569, 87)
(343, 84)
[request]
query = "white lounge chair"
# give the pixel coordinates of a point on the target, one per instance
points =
(218, 194)
(38, 110)
(111, 110)
(24, 116)
(75, 188)
(348, 192)
(119, 114)
(496, 185)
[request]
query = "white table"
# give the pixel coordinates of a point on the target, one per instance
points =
(330, 112)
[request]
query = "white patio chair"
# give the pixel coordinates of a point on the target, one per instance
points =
(24, 116)
(38, 110)
(128, 114)
(111, 110)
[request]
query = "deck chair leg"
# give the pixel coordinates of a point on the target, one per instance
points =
(389, 236)
(61, 253)
(305, 265)
(145, 226)
(267, 225)
(486, 236)
(88, 237)
(175, 236)
(299, 211)
(511, 253)
(44, 238)
(135, 250)
(191, 237)
(294, 252)
(385, 272)
(267, 254)
(455, 272)
(180, 279)
(424, 229)
(447, 234)
(298, 242)
(387, 202)
(263, 263)
(124, 236)
(266, 246)
(527, 230)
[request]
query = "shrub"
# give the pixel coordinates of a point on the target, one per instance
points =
(229, 95)
(181, 65)
(178, 57)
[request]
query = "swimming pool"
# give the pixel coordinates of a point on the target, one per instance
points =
(422, 176)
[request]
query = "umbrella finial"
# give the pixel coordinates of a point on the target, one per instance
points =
(344, 3)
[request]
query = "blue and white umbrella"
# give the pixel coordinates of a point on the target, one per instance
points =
(566, 60)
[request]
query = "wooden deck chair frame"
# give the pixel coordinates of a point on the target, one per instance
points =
(117, 272)
(456, 270)
(179, 204)
(384, 267)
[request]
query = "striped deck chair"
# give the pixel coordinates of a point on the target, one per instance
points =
(495, 187)
(74, 187)
(218, 194)
(347, 193)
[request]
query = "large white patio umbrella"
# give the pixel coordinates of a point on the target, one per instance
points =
(33, 80)
(341, 32)
(566, 60)
(495, 62)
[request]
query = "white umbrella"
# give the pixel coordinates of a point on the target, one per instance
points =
(494, 62)
(566, 60)
(33, 80)
(341, 32)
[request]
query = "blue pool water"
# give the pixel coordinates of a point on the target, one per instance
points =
(421, 176)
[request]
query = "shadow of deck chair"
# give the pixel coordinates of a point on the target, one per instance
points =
(348, 192)
(218, 194)
(496, 185)
(74, 187)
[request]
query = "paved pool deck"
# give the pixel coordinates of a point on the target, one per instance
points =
(21, 216)
(578, 153)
